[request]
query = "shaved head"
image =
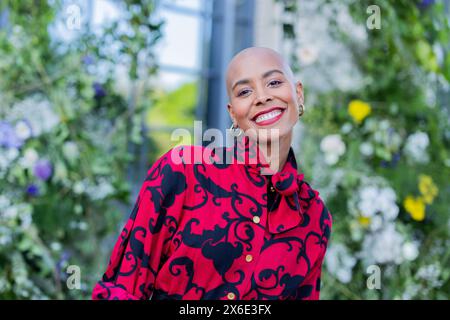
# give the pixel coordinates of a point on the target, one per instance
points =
(254, 56)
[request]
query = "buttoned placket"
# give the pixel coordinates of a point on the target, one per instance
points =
(252, 257)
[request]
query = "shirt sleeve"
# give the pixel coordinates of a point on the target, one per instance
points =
(145, 239)
(310, 287)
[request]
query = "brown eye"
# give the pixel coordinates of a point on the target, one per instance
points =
(243, 92)
(275, 83)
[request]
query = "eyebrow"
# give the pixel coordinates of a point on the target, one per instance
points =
(265, 75)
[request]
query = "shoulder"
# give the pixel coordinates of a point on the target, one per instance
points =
(316, 208)
(179, 157)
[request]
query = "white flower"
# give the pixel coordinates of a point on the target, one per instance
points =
(368, 196)
(55, 246)
(26, 220)
(308, 55)
(346, 128)
(366, 149)
(5, 235)
(29, 158)
(100, 191)
(376, 222)
(70, 150)
(373, 199)
(386, 203)
(11, 212)
(410, 251)
(23, 130)
(79, 187)
(429, 272)
(7, 157)
(333, 147)
(415, 147)
(411, 291)
(4, 202)
(36, 111)
(339, 262)
(383, 247)
(82, 226)
(12, 154)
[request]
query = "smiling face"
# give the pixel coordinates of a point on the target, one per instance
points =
(262, 94)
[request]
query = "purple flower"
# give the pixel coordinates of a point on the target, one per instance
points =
(99, 90)
(87, 60)
(8, 136)
(392, 163)
(33, 190)
(43, 169)
(425, 3)
(64, 258)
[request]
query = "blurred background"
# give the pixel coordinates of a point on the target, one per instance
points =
(91, 91)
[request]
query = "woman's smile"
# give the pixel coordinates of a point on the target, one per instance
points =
(269, 116)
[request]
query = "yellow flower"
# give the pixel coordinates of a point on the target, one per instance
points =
(427, 188)
(359, 110)
(364, 221)
(415, 207)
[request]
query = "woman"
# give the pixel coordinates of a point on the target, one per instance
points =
(249, 228)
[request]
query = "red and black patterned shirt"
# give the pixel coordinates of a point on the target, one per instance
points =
(220, 229)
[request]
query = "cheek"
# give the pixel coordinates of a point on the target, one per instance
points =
(241, 109)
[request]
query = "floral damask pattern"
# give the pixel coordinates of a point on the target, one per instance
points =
(209, 231)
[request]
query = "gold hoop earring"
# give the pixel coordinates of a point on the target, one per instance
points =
(301, 110)
(234, 129)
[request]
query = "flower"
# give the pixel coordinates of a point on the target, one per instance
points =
(364, 221)
(308, 55)
(366, 149)
(87, 59)
(23, 130)
(427, 188)
(425, 4)
(415, 147)
(99, 91)
(29, 158)
(339, 262)
(359, 110)
(410, 250)
(37, 112)
(71, 151)
(393, 162)
(43, 169)
(383, 247)
(374, 199)
(33, 190)
(333, 147)
(431, 274)
(415, 207)
(8, 136)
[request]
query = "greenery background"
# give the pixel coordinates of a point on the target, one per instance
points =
(64, 169)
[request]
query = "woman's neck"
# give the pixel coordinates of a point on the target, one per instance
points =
(276, 153)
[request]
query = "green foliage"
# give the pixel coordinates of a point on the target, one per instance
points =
(82, 126)
(391, 155)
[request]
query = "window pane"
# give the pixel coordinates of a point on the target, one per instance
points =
(190, 4)
(180, 43)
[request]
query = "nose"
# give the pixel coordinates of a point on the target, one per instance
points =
(262, 98)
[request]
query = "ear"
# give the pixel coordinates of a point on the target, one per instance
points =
(299, 91)
(231, 112)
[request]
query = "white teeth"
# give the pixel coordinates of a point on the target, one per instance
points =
(268, 116)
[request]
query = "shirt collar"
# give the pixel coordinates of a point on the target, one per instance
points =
(286, 212)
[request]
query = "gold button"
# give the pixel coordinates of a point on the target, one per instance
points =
(231, 296)
(248, 258)
(256, 219)
(272, 189)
